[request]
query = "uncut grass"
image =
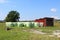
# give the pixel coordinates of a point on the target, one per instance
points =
(18, 33)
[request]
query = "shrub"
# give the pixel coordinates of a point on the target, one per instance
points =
(22, 25)
(13, 24)
(31, 25)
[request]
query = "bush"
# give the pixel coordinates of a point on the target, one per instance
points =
(31, 25)
(13, 24)
(22, 25)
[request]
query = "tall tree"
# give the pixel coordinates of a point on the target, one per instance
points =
(13, 16)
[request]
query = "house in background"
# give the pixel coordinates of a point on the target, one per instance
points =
(42, 22)
(45, 21)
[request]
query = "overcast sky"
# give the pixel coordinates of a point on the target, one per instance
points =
(31, 9)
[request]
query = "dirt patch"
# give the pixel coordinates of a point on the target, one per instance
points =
(37, 31)
(34, 31)
(56, 33)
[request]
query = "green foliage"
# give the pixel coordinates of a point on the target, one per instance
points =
(19, 34)
(31, 25)
(22, 25)
(13, 24)
(13, 16)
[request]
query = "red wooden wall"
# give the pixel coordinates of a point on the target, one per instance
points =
(41, 20)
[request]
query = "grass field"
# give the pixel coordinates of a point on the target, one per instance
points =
(18, 33)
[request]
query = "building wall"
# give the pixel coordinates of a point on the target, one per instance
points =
(38, 22)
(8, 24)
(46, 21)
(49, 21)
(41, 21)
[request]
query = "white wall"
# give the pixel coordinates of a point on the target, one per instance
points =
(8, 24)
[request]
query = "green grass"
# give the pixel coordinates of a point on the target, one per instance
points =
(48, 30)
(18, 33)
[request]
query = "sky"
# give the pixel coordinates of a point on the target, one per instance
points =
(31, 9)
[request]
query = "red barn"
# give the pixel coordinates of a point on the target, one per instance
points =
(46, 21)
